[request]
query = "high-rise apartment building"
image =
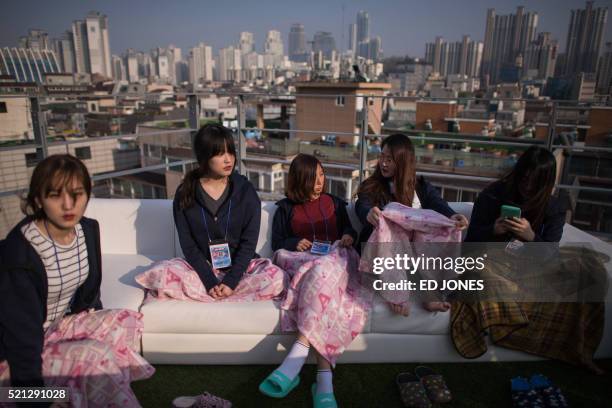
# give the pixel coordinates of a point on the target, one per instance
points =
(585, 35)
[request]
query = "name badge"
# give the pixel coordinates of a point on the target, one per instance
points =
(220, 255)
(320, 247)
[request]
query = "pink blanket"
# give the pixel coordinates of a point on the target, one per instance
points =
(176, 279)
(411, 231)
(325, 299)
(95, 355)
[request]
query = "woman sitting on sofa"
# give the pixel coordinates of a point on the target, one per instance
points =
(217, 214)
(395, 180)
(313, 237)
(53, 331)
(529, 187)
(528, 318)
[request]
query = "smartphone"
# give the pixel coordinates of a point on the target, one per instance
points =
(510, 211)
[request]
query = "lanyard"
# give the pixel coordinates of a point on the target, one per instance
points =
(314, 234)
(59, 271)
(229, 213)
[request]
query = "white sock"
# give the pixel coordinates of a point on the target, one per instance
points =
(324, 382)
(292, 364)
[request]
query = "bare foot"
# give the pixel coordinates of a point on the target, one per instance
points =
(403, 309)
(436, 306)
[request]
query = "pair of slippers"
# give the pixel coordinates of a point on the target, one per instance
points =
(422, 388)
(278, 385)
(537, 392)
(205, 400)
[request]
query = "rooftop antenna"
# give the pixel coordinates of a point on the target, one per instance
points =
(342, 30)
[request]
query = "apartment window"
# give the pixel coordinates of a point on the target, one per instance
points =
(3, 107)
(340, 101)
(31, 159)
(83, 153)
(93, 29)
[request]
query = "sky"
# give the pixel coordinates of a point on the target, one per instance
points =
(404, 25)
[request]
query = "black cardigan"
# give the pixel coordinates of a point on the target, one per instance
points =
(242, 235)
(23, 300)
(487, 209)
(283, 236)
(428, 196)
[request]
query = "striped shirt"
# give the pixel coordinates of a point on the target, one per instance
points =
(72, 272)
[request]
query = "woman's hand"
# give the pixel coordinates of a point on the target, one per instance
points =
(374, 216)
(214, 293)
(224, 291)
(521, 228)
(346, 240)
(500, 227)
(460, 221)
(303, 245)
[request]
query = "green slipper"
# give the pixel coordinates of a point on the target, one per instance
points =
(326, 400)
(278, 385)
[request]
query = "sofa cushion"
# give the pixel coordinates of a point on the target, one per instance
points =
(119, 289)
(134, 226)
(420, 320)
(219, 318)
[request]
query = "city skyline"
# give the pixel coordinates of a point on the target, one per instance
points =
(407, 38)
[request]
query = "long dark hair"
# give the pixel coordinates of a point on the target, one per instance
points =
(210, 141)
(538, 168)
(302, 177)
(54, 173)
(376, 186)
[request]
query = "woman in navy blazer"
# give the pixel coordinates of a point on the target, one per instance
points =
(395, 180)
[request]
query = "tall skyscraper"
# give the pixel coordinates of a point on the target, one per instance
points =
(131, 66)
(506, 37)
(247, 43)
(200, 64)
(363, 34)
(92, 48)
(119, 72)
(273, 48)
(64, 50)
(541, 57)
(363, 26)
(375, 49)
(35, 40)
(604, 73)
(229, 67)
(324, 41)
(274, 43)
(585, 36)
(352, 45)
(461, 57)
(297, 42)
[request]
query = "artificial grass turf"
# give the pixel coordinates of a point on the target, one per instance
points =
(485, 385)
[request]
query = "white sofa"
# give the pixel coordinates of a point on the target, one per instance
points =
(135, 233)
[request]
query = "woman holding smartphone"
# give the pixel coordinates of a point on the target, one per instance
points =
(537, 215)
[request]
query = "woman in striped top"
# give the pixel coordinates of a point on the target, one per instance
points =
(52, 329)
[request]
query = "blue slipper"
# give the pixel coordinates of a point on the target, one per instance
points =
(323, 400)
(278, 385)
(550, 393)
(523, 394)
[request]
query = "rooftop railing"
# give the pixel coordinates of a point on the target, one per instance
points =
(445, 155)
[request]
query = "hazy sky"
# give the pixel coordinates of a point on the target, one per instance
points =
(404, 25)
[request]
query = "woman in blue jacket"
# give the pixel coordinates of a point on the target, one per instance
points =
(53, 331)
(217, 214)
(394, 179)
